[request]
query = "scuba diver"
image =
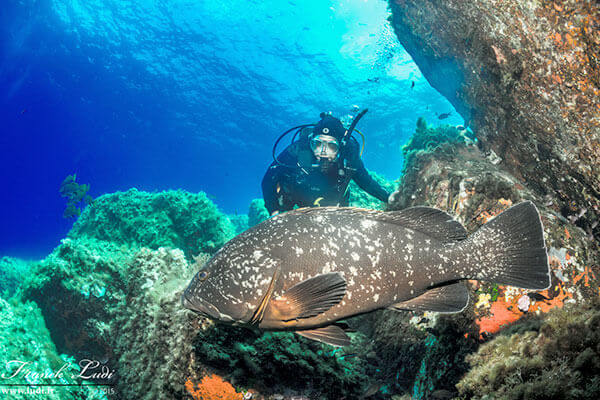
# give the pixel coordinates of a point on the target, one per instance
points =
(316, 169)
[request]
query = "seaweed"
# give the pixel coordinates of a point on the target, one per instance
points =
(76, 194)
(557, 357)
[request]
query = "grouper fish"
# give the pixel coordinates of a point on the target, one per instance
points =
(307, 269)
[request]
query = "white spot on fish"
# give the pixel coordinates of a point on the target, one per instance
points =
(355, 256)
(376, 297)
(367, 223)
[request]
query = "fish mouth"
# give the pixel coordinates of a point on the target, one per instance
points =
(204, 308)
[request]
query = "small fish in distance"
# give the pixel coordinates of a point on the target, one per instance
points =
(307, 269)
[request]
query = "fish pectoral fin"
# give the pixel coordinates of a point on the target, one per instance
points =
(262, 306)
(331, 334)
(450, 298)
(310, 297)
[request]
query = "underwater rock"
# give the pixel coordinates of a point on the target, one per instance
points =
(257, 212)
(25, 339)
(178, 219)
(555, 358)
(77, 288)
(240, 222)
(79, 285)
(12, 273)
(150, 334)
(457, 177)
(118, 302)
(359, 198)
(525, 75)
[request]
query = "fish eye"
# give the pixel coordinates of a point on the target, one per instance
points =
(202, 275)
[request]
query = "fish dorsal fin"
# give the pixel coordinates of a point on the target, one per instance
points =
(260, 310)
(310, 297)
(431, 221)
(331, 334)
(450, 298)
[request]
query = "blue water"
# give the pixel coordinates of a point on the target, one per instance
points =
(185, 94)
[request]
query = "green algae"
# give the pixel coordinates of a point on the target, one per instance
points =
(558, 359)
(276, 361)
(12, 273)
(428, 139)
(359, 198)
(178, 219)
(25, 339)
(257, 212)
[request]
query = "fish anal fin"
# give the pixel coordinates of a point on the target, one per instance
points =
(450, 298)
(309, 298)
(330, 334)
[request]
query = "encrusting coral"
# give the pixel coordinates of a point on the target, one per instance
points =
(212, 387)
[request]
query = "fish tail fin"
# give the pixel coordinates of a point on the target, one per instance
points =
(509, 250)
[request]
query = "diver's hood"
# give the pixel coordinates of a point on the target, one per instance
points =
(330, 126)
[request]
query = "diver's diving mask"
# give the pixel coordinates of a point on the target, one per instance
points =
(324, 147)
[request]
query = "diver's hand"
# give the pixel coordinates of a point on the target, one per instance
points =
(394, 197)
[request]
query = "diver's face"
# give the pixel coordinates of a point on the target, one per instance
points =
(324, 147)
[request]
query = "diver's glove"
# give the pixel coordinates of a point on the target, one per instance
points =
(394, 197)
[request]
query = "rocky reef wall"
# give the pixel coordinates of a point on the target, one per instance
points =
(446, 169)
(525, 75)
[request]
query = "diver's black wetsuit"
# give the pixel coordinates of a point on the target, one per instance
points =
(298, 180)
